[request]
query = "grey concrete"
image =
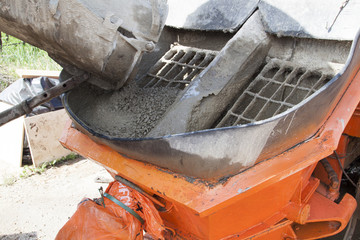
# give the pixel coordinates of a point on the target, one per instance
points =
(220, 15)
(218, 153)
(311, 19)
(216, 86)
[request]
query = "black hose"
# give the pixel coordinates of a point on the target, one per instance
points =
(343, 170)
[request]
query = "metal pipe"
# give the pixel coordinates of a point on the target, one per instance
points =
(27, 105)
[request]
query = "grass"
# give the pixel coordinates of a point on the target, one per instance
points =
(28, 171)
(31, 170)
(16, 54)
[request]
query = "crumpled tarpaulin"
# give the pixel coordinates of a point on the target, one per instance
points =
(94, 221)
(25, 88)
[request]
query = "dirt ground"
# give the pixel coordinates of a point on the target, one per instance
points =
(38, 206)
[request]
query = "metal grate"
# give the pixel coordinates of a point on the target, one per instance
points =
(178, 67)
(279, 86)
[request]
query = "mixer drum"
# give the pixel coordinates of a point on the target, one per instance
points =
(103, 38)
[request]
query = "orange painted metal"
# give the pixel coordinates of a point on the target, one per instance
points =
(281, 198)
(323, 176)
(353, 126)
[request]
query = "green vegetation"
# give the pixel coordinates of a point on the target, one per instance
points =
(15, 54)
(31, 170)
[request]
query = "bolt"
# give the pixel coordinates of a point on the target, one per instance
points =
(150, 46)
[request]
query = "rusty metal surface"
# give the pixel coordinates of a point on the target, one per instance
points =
(332, 176)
